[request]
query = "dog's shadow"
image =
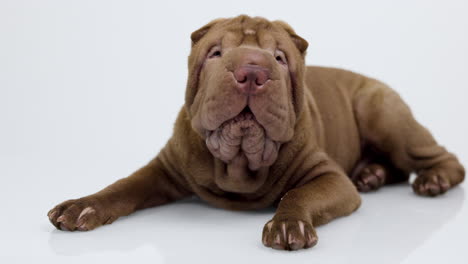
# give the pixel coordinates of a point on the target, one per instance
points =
(391, 223)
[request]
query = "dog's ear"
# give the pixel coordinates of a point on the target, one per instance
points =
(195, 61)
(300, 43)
(297, 69)
(199, 33)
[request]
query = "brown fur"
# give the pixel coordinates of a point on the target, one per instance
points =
(307, 131)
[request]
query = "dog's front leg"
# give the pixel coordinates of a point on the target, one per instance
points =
(329, 194)
(149, 186)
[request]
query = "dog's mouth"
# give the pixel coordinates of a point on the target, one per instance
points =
(243, 136)
(243, 121)
(244, 147)
(246, 111)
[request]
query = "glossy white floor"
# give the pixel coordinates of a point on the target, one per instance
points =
(89, 91)
(393, 226)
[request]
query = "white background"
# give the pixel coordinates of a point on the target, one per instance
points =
(89, 91)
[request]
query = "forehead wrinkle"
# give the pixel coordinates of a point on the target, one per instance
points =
(266, 40)
(230, 40)
(236, 33)
(253, 26)
(248, 39)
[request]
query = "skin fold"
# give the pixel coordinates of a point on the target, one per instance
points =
(259, 128)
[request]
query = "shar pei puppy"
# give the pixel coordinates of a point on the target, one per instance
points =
(259, 128)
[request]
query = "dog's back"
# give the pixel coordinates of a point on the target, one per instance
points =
(331, 90)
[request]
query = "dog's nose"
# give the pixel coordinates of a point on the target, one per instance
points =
(251, 78)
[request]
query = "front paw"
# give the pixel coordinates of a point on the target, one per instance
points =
(289, 235)
(82, 214)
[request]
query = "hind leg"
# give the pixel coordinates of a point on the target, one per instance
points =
(387, 124)
(375, 170)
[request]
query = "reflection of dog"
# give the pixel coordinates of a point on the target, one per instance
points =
(259, 128)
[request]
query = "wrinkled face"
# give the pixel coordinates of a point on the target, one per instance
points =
(244, 89)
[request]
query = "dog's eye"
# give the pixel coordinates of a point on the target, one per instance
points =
(214, 53)
(280, 57)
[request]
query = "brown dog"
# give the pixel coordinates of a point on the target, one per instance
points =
(260, 128)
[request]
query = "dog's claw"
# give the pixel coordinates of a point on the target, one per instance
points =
(431, 182)
(370, 178)
(289, 235)
(78, 214)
